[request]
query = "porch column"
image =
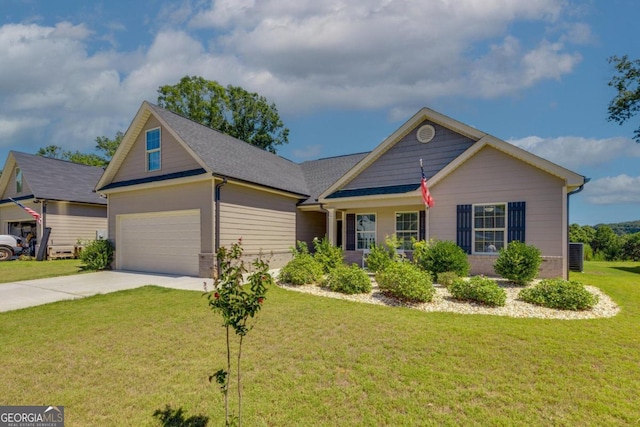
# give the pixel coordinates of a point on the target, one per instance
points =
(426, 225)
(331, 225)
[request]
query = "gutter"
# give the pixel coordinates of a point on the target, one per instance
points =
(576, 191)
(217, 217)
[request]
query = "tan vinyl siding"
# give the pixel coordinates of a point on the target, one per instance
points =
(310, 225)
(265, 221)
(494, 177)
(12, 213)
(174, 157)
(69, 222)
(69, 230)
(167, 198)
(401, 164)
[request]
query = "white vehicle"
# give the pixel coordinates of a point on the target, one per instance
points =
(10, 246)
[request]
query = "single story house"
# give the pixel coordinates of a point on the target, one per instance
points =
(61, 192)
(178, 190)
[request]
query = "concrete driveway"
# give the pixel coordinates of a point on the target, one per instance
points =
(30, 293)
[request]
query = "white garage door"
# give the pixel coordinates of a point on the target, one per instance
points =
(160, 242)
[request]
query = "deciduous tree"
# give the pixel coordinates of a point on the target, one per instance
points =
(626, 103)
(245, 115)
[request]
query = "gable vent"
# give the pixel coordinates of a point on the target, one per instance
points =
(426, 133)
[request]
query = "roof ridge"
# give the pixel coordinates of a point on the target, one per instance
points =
(217, 131)
(54, 159)
(335, 157)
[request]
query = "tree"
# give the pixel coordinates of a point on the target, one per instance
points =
(108, 146)
(103, 144)
(607, 243)
(231, 110)
(631, 247)
(626, 103)
(581, 234)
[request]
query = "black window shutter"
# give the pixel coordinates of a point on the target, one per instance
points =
(516, 222)
(463, 224)
(422, 226)
(351, 232)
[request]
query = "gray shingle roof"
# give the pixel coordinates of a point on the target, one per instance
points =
(232, 158)
(59, 179)
(322, 173)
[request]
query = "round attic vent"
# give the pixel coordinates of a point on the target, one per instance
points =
(426, 133)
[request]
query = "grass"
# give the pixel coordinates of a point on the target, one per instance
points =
(112, 360)
(12, 271)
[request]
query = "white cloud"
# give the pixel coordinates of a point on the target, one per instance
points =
(382, 54)
(613, 190)
(301, 54)
(576, 153)
(9, 127)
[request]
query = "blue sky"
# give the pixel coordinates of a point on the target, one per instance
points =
(344, 74)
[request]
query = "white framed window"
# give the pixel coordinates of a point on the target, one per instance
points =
(153, 150)
(489, 228)
(406, 229)
(365, 231)
(18, 180)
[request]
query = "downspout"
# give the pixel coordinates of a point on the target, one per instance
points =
(216, 245)
(576, 191)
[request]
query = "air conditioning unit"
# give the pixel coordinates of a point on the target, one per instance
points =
(576, 257)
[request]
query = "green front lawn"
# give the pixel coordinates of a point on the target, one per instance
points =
(112, 360)
(16, 270)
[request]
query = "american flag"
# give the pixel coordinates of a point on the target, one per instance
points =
(426, 196)
(30, 211)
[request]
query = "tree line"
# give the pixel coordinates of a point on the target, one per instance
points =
(601, 243)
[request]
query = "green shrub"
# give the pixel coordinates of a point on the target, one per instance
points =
(480, 289)
(447, 278)
(301, 248)
(439, 256)
(327, 255)
(560, 294)
(518, 262)
(97, 255)
(348, 280)
(302, 269)
(406, 281)
(379, 258)
(382, 255)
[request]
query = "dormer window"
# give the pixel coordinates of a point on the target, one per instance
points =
(153, 149)
(18, 180)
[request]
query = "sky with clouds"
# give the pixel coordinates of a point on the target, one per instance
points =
(344, 74)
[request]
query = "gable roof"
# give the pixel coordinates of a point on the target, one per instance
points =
(571, 179)
(482, 139)
(221, 155)
(55, 179)
(320, 174)
(218, 154)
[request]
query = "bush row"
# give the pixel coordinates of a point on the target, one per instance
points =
(443, 261)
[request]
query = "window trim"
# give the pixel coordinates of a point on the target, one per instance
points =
(19, 182)
(158, 150)
(375, 230)
(504, 229)
(417, 230)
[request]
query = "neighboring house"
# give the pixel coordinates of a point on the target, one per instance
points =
(178, 190)
(61, 192)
